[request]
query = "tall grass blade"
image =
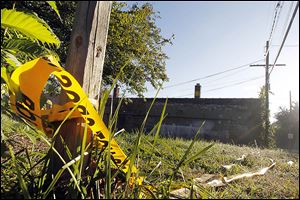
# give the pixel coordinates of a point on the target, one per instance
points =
(196, 156)
(108, 170)
(132, 160)
(156, 125)
(105, 95)
(160, 122)
(184, 157)
(67, 117)
(112, 124)
(52, 184)
(19, 175)
(32, 167)
(61, 158)
(149, 109)
(83, 148)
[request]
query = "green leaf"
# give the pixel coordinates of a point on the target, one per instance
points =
(54, 7)
(11, 60)
(5, 77)
(27, 47)
(33, 27)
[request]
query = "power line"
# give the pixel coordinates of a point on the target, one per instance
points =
(212, 81)
(285, 36)
(241, 70)
(279, 12)
(275, 22)
(211, 75)
(269, 22)
(219, 84)
(238, 83)
(287, 18)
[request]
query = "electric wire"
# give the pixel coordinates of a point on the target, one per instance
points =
(211, 75)
(287, 19)
(213, 81)
(238, 83)
(278, 9)
(285, 36)
(274, 19)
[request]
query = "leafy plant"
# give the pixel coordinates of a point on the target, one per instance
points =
(25, 36)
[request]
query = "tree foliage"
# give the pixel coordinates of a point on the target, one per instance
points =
(133, 38)
(287, 122)
(270, 138)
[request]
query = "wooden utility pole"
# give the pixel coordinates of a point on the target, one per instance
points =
(267, 89)
(85, 62)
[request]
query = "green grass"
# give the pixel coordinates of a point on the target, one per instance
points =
(282, 181)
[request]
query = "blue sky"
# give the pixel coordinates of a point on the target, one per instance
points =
(212, 37)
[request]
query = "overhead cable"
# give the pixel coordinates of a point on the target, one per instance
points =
(285, 36)
(211, 75)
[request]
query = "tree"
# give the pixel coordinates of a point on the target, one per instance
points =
(287, 122)
(133, 38)
(268, 140)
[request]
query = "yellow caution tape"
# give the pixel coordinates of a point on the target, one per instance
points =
(27, 84)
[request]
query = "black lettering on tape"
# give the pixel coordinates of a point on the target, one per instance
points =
(68, 82)
(112, 152)
(117, 161)
(75, 98)
(21, 110)
(49, 63)
(100, 134)
(28, 102)
(83, 110)
(91, 122)
(105, 143)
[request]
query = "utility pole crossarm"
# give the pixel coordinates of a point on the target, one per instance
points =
(261, 65)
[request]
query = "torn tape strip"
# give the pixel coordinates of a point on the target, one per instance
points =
(30, 79)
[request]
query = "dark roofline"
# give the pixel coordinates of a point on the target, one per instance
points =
(202, 100)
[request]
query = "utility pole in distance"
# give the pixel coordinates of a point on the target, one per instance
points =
(267, 88)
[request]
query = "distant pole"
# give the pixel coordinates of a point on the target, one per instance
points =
(267, 97)
(290, 134)
(290, 101)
